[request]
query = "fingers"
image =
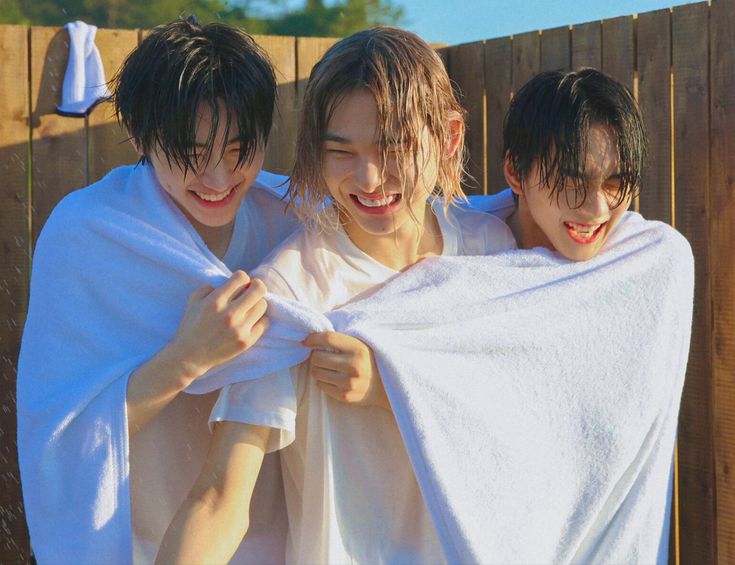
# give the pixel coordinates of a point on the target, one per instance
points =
(200, 293)
(233, 287)
(337, 393)
(332, 340)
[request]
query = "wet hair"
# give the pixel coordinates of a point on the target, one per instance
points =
(549, 121)
(412, 91)
(182, 66)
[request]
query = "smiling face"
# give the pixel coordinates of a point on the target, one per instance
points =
(556, 221)
(210, 195)
(373, 201)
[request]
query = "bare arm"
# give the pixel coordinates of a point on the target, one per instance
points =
(218, 325)
(214, 517)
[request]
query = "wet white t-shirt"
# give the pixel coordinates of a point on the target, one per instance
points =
(260, 226)
(351, 493)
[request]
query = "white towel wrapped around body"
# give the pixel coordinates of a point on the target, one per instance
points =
(538, 398)
(112, 272)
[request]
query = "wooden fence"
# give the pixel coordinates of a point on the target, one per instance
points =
(680, 64)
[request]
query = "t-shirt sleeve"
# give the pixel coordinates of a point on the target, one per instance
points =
(269, 401)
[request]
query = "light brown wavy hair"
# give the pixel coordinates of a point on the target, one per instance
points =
(412, 91)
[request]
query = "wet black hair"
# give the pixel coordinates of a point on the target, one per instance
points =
(548, 123)
(183, 65)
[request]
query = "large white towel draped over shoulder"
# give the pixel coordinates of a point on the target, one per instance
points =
(538, 398)
(112, 273)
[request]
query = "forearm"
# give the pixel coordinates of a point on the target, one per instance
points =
(206, 529)
(154, 385)
(211, 522)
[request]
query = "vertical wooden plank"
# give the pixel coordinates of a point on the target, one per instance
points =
(654, 95)
(308, 52)
(108, 144)
(14, 267)
(498, 82)
(722, 237)
(618, 50)
(691, 181)
(280, 152)
(555, 49)
(587, 45)
(59, 152)
(526, 58)
(467, 68)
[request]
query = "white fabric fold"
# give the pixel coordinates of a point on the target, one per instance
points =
(538, 398)
(84, 83)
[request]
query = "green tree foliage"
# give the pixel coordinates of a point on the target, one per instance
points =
(315, 18)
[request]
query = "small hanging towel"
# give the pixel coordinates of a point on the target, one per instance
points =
(84, 82)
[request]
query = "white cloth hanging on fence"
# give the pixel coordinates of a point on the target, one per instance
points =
(84, 83)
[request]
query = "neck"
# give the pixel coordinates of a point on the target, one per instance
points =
(525, 229)
(410, 243)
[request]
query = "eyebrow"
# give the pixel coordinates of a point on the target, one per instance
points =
(336, 138)
(580, 176)
(233, 139)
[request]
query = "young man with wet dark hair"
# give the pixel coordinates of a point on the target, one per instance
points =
(197, 102)
(574, 146)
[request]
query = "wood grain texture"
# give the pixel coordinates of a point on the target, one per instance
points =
(498, 84)
(280, 152)
(722, 239)
(526, 57)
(14, 273)
(587, 45)
(467, 68)
(59, 149)
(556, 49)
(618, 50)
(696, 479)
(654, 96)
(108, 146)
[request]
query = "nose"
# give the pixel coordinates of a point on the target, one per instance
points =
(597, 203)
(216, 175)
(368, 175)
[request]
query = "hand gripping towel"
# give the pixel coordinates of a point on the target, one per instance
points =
(537, 398)
(84, 83)
(112, 272)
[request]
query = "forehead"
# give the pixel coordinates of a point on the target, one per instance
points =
(602, 151)
(205, 121)
(355, 107)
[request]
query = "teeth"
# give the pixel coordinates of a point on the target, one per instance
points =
(377, 203)
(214, 197)
(584, 231)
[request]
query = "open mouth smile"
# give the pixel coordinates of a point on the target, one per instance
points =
(214, 200)
(381, 205)
(584, 233)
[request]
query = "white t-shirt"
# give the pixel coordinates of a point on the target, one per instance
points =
(260, 226)
(350, 490)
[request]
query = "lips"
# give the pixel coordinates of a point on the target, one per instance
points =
(376, 205)
(584, 233)
(214, 200)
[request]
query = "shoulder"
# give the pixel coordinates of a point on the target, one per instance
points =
(267, 202)
(479, 233)
(299, 267)
(74, 212)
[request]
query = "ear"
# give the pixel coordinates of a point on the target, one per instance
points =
(512, 177)
(136, 146)
(456, 135)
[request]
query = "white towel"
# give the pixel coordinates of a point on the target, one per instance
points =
(112, 272)
(538, 398)
(84, 82)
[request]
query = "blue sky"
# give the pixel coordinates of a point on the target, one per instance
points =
(463, 21)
